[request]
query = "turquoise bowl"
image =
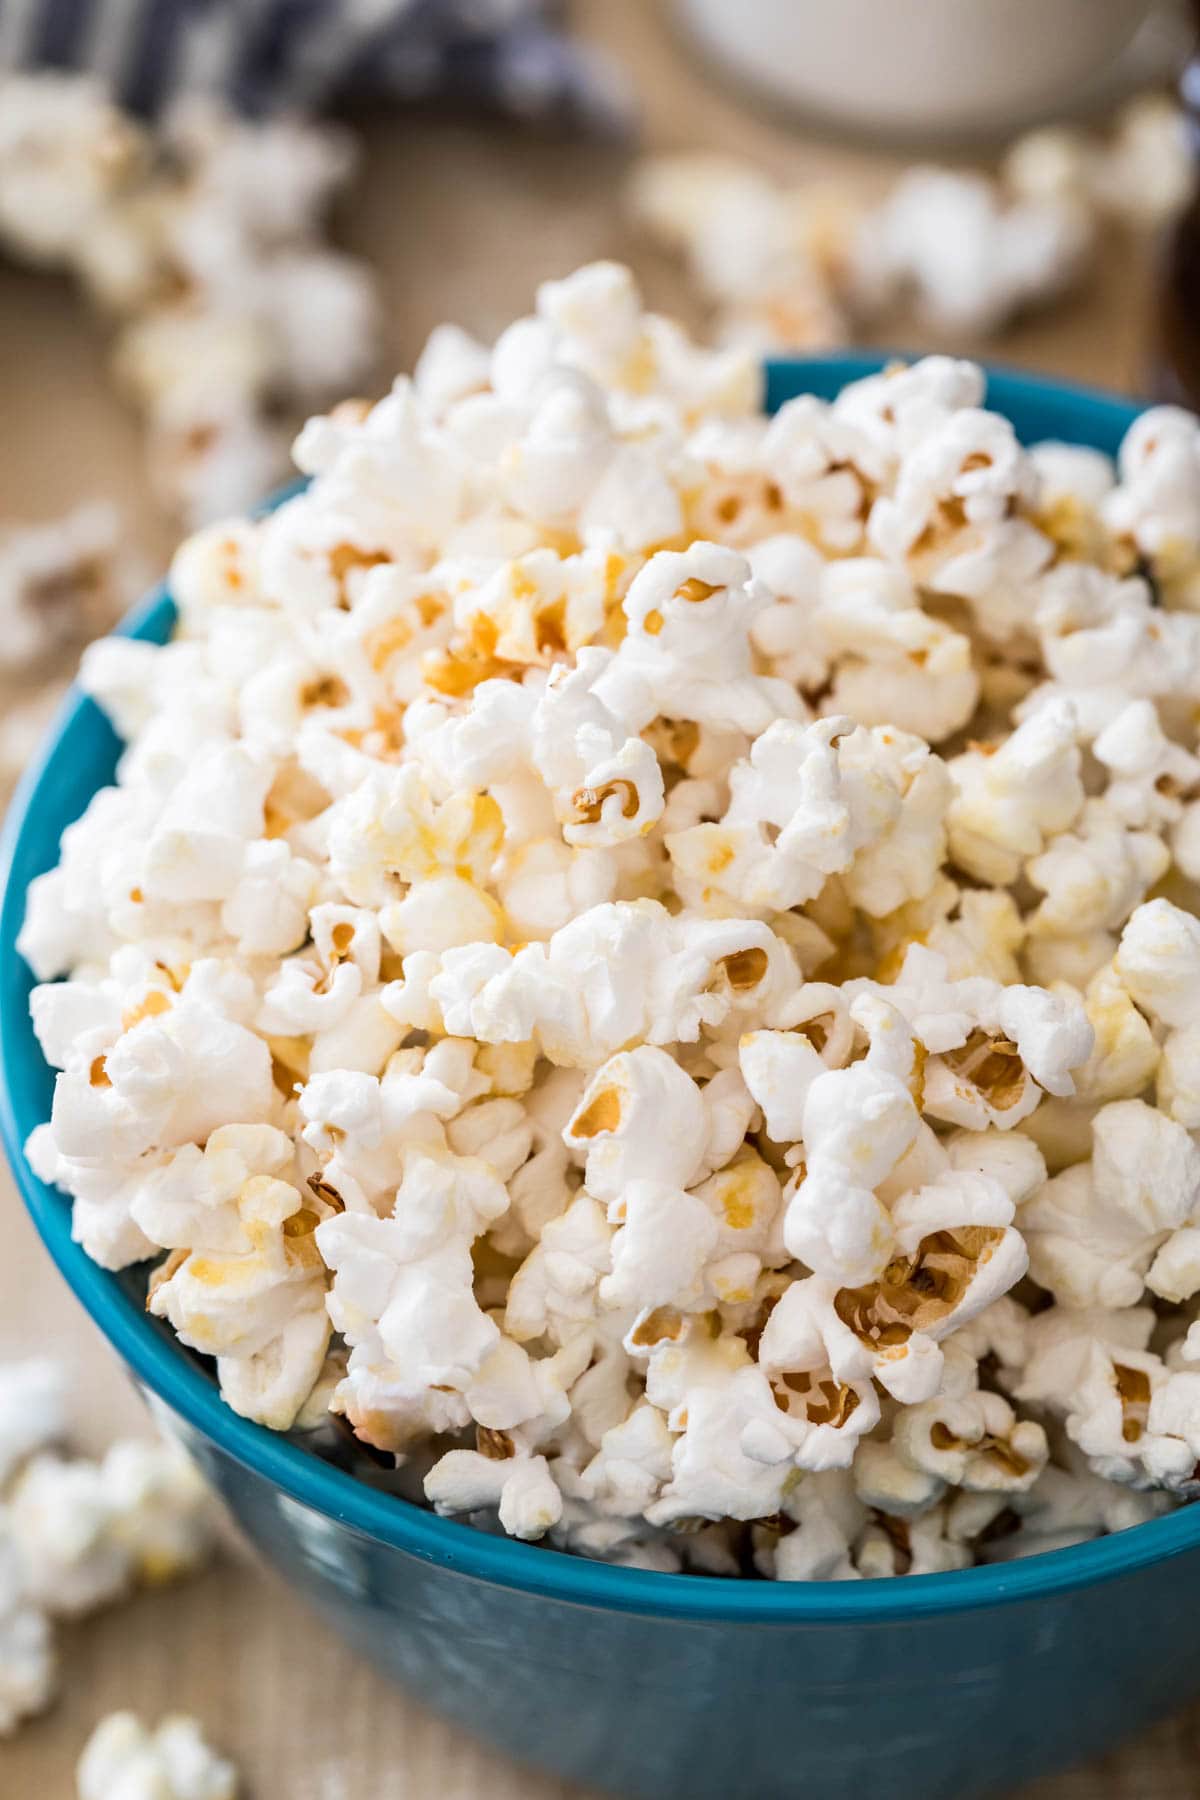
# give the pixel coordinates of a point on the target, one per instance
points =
(928, 1688)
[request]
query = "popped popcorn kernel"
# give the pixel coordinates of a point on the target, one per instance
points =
(174, 1761)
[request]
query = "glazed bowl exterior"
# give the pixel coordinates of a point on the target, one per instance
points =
(928, 1688)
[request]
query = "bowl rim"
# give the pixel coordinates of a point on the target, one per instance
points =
(304, 1477)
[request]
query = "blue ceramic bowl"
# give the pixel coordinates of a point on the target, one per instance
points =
(929, 1688)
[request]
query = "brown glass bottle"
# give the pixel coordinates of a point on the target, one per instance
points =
(1177, 363)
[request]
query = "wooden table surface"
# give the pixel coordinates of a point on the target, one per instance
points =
(461, 220)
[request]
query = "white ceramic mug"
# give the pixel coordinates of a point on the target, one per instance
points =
(920, 67)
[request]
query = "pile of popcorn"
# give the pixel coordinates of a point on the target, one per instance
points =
(203, 240)
(77, 1535)
(643, 958)
(810, 266)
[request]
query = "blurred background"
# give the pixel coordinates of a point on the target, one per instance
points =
(217, 217)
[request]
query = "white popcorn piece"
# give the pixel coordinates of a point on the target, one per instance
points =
(59, 583)
(969, 259)
(690, 974)
(86, 1532)
(244, 1283)
(828, 1517)
(712, 1474)
(887, 1484)
(900, 406)
(1156, 503)
(1158, 961)
(1092, 1370)
(1125, 1055)
(1145, 177)
(402, 1296)
(520, 1488)
(1175, 1272)
(663, 1240)
(1094, 875)
(895, 665)
(993, 1048)
(826, 468)
(687, 650)
(1094, 1229)
(1150, 775)
(554, 1289)
(1009, 798)
(857, 1123)
(640, 1117)
(1104, 643)
(607, 787)
(818, 800)
(28, 1661)
(1145, 1164)
(1177, 1084)
(1070, 1505)
(33, 1412)
(974, 1442)
(124, 1760)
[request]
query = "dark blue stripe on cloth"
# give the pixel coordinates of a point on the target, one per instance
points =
(148, 79)
(61, 32)
(272, 47)
(268, 54)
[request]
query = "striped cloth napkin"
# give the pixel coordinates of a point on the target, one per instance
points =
(264, 55)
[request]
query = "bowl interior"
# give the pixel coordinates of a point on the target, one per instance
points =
(78, 757)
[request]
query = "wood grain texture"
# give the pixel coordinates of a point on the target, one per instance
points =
(461, 220)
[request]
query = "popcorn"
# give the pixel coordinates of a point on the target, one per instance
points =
(687, 652)
(607, 788)
(402, 1295)
(620, 1125)
(123, 1758)
(896, 665)
(28, 1663)
(520, 1488)
(1010, 797)
(1093, 875)
(1094, 1372)
(75, 1534)
(244, 1282)
(33, 1413)
(1150, 775)
(969, 259)
(1178, 1076)
(692, 973)
(60, 583)
(1146, 176)
(532, 938)
(86, 1532)
(794, 268)
(819, 800)
(1158, 961)
(227, 303)
(856, 1125)
(66, 150)
(828, 471)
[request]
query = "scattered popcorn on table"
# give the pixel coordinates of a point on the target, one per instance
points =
(75, 1534)
(61, 583)
(123, 1760)
(203, 240)
(646, 957)
(806, 267)
(28, 1657)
